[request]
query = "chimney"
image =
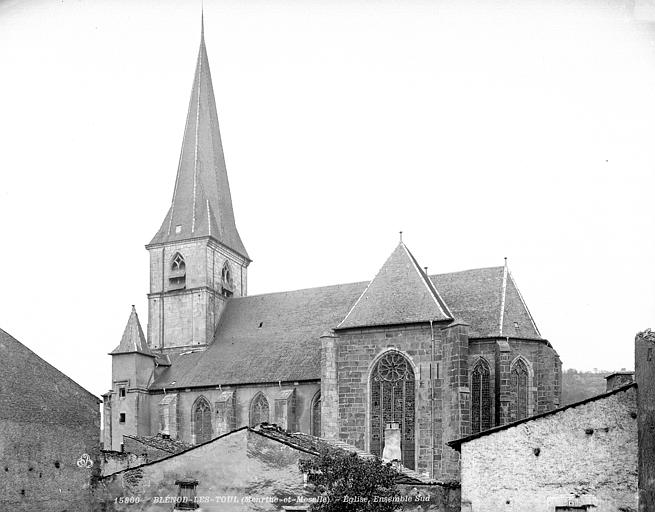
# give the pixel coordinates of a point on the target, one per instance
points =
(618, 379)
(392, 442)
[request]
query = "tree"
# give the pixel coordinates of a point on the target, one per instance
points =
(348, 483)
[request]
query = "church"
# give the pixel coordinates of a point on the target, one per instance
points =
(407, 359)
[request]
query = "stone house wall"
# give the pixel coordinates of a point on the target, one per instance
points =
(581, 456)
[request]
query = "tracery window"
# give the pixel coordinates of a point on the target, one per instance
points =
(259, 410)
(202, 421)
(520, 380)
(177, 278)
(480, 397)
(316, 415)
(393, 400)
(178, 262)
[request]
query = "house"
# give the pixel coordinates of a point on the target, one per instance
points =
(248, 469)
(49, 434)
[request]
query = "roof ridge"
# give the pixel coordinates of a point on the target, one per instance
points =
(503, 296)
(430, 285)
(518, 291)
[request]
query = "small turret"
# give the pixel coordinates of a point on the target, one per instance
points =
(133, 364)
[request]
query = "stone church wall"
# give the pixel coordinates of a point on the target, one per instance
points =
(544, 365)
(439, 358)
(300, 420)
(192, 312)
(584, 456)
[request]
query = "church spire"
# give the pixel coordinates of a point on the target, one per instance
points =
(202, 204)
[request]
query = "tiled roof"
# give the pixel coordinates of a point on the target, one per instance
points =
(202, 203)
(168, 445)
(400, 293)
(276, 337)
(316, 445)
(133, 339)
(299, 441)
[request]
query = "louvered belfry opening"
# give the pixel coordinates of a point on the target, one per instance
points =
(480, 398)
(393, 400)
(202, 421)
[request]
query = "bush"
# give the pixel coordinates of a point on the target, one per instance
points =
(348, 483)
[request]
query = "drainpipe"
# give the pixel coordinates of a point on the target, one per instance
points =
(432, 404)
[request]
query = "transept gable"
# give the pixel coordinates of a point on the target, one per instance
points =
(400, 293)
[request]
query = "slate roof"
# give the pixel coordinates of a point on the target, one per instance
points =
(276, 337)
(202, 203)
(133, 339)
(285, 348)
(400, 293)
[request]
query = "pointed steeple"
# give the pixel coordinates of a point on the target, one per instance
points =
(400, 293)
(133, 339)
(202, 203)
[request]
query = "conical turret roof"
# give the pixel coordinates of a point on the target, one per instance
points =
(133, 339)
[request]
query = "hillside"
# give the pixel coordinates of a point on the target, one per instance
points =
(578, 385)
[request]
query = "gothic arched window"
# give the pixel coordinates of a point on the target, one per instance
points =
(259, 411)
(177, 278)
(520, 386)
(201, 417)
(480, 397)
(316, 415)
(392, 401)
(178, 262)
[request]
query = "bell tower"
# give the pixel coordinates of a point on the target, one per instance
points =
(197, 258)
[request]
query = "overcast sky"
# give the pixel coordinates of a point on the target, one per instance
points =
(482, 130)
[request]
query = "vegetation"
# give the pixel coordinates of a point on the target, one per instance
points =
(348, 483)
(578, 385)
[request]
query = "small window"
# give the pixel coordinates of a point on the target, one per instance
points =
(121, 418)
(121, 392)
(178, 229)
(186, 495)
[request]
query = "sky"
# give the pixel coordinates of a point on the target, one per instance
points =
(482, 130)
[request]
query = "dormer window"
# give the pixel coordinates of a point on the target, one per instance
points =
(227, 288)
(177, 278)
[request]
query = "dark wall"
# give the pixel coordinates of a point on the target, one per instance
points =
(47, 424)
(645, 378)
